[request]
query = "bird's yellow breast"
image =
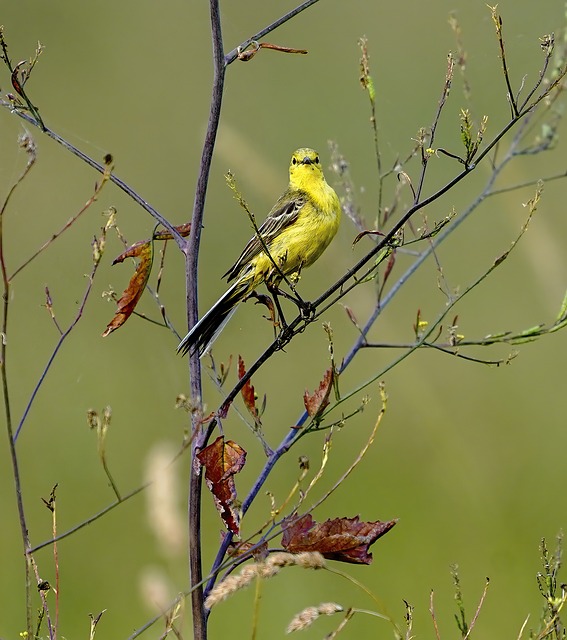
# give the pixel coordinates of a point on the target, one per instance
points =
(302, 243)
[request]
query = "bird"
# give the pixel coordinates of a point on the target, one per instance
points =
(298, 229)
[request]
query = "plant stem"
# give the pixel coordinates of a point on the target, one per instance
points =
(30, 148)
(191, 270)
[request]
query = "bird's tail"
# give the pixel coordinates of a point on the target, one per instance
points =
(205, 332)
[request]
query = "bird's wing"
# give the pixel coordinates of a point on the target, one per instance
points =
(284, 213)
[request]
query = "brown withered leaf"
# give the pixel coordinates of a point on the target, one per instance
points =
(389, 267)
(133, 292)
(164, 234)
(248, 392)
(142, 249)
(316, 403)
(342, 539)
(262, 298)
(221, 461)
(351, 316)
(16, 81)
(253, 47)
(135, 250)
(363, 234)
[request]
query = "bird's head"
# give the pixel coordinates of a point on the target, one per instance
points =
(305, 166)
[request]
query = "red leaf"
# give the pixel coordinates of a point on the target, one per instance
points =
(351, 316)
(315, 404)
(342, 539)
(248, 392)
(221, 461)
(136, 286)
(15, 80)
(223, 411)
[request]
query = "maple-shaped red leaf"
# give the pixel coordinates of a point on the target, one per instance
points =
(315, 403)
(221, 461)
(342, 539)
(248, 392)
(133, 292)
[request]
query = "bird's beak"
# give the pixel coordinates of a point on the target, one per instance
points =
(306, 160)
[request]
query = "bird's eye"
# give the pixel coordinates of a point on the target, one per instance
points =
(293, 161)
(316, 159)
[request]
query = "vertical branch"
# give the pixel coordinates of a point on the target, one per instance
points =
(27, 143)
(424, 152)
(191, 264)
(16, 474)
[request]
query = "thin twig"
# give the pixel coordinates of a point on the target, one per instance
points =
(109, 507)
(233, 55)
(442, 101)
(359, 457)
(497, 19)
(433, 616)
(479, 607)
(27, 143)
(55, 351)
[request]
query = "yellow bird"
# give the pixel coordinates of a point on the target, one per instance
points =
(298, 229)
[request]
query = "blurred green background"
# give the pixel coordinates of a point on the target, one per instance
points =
(470, 458)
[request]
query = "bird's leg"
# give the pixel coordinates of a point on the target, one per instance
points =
(279, 323)
(275, 291)
(267, 301)
(305, 308)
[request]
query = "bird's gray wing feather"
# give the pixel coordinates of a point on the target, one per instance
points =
(284, 213)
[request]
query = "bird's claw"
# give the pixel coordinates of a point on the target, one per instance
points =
(306, 310)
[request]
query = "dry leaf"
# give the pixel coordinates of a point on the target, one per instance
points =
(363, 234)
(136, 286)
(262, 298)
(342, 539)
(389, 267)
(142, 249)
(134, 251)
(248, 392)
(315, 404)
(164, 234)
(221, 461)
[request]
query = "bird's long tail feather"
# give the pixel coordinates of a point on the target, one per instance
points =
(205, 332)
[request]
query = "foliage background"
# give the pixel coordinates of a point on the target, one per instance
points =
(469, 458)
